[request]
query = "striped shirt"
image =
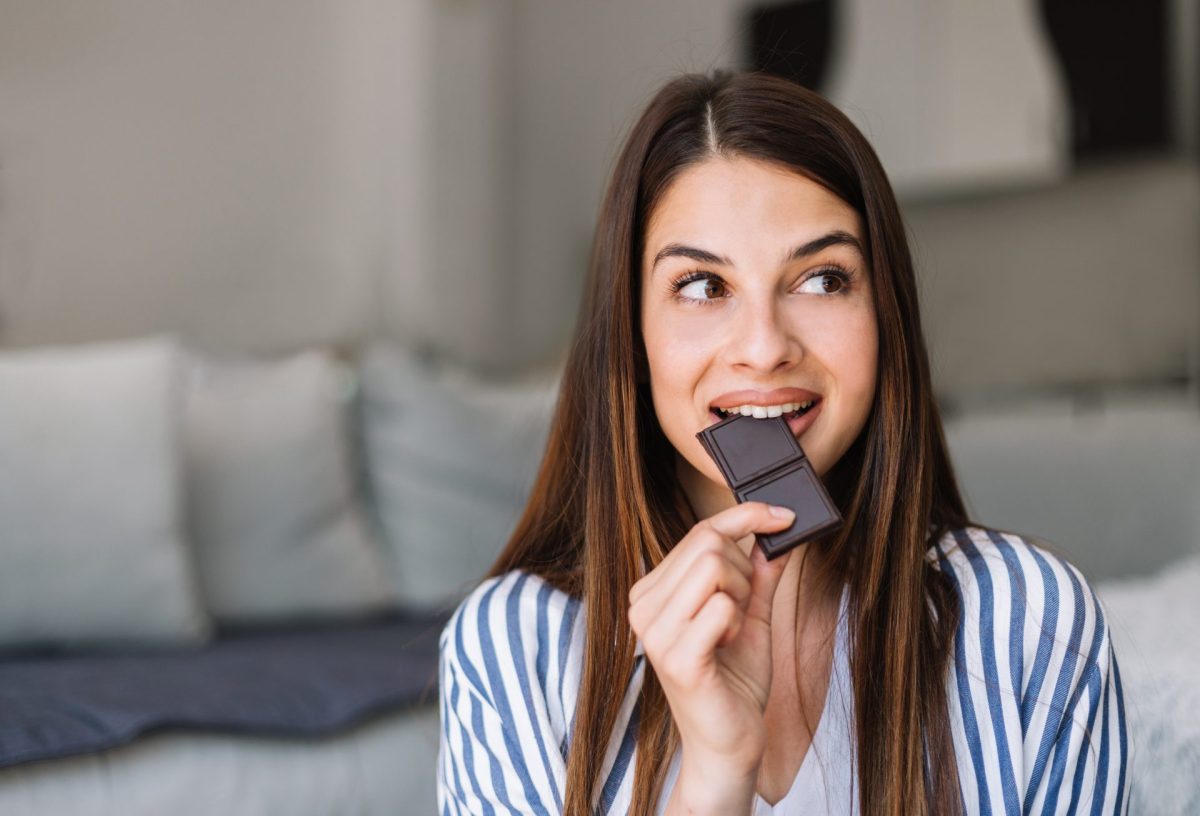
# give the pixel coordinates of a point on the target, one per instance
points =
(1034, 694)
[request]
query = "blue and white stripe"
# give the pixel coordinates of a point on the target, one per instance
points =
(1034, 693)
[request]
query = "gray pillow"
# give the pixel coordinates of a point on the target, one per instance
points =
(91, 543)
(275, 517)
(1115, 486)
(451, 458)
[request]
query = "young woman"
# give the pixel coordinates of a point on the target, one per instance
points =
(632, 651)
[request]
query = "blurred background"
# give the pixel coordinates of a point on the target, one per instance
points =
(431, 170)
(421, 178)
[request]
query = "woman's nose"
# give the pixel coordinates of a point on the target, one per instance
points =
(762, 340)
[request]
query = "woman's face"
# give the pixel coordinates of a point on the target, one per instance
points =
(755, 292)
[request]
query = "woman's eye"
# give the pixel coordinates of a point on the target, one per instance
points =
(829, 282)
(701, 289)
(705, 288)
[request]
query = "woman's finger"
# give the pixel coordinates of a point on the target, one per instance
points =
(658, 617)
(730, 525)
(741, 520)
(693, 652)
(669, 580)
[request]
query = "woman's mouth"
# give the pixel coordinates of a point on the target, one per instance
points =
(799, 416)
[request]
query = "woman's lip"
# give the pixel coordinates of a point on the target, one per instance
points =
(777, 396)
(802, 423)
(798, 424)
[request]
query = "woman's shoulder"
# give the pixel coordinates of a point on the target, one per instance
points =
(1035, 687)
(1003, 566)
(1022, 604)
(512, 629)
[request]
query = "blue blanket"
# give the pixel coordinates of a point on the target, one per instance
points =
(283, 681)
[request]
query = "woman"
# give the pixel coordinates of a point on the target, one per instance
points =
(633, 651)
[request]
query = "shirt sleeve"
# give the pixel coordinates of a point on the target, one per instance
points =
(1083, 756)
(492, 755)
(1036, 692)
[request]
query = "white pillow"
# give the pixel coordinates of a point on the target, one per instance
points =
(451, 459)
(277, 523)
(91, 543)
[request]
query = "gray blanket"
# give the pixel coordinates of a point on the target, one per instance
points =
(301, 680)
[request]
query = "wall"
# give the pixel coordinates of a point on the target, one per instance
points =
(252, 175)
(1078, 286)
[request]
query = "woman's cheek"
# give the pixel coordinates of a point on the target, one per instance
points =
(861, 379)
(680, 360)
(847, 351)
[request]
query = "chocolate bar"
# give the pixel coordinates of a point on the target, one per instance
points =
(762, 461)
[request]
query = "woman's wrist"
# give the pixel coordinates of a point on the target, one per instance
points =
(704, 790)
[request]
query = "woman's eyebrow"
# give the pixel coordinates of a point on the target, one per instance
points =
(681, 251)
(835, 238)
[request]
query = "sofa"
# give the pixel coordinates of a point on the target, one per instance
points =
(288, 534)
(222, 579)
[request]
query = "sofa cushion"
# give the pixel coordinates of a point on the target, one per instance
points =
(451, 457)
(91, 542)
(1114, 484)
(274, 511)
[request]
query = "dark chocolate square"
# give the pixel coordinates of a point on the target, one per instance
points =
(762, 461)
(746, 448)
(799, 488)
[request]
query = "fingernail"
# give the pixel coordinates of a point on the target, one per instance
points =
(781, 512)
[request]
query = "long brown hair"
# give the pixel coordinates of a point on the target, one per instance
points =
(606, 506)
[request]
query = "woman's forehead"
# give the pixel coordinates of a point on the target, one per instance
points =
(731, 202)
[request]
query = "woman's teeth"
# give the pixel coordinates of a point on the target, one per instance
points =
(765, 411)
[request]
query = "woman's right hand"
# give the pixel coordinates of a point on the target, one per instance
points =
(704, 618)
